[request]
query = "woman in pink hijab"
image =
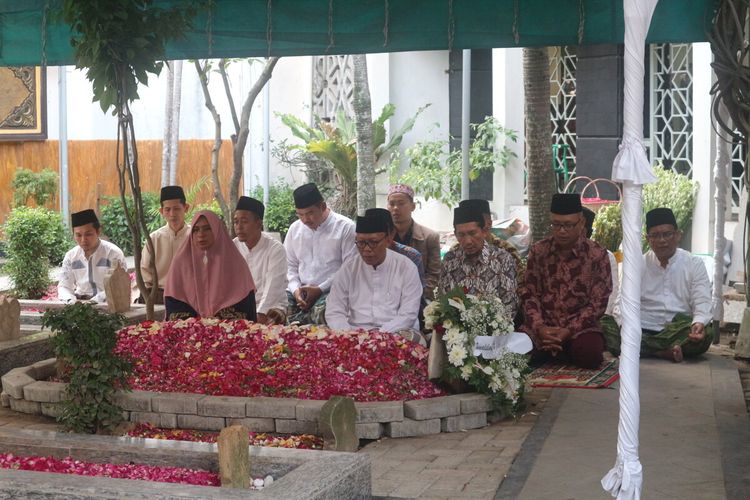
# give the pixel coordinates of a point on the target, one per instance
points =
(208, 276)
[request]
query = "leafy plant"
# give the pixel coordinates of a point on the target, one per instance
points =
(212, 205)
(190, 195)
(280, 212)
(84, 342)
(115, 225)
(435, 170)
(39, 186)
(674, 191)
(35, 239)
(334, 143)
(608, 227)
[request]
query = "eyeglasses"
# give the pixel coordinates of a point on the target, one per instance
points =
(666, 235)
(559, 226)
(371, 244)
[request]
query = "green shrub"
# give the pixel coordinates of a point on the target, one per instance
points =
(35, 239)
(280, 212)
(115, 225)
(39, 186)
(212, 206)
(671, 190)
(84, 342)
(608, 227)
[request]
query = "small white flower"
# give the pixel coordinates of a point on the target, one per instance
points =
(457, 355)
(466, 371)
(457, 304)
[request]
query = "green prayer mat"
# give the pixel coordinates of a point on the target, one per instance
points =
(675, 333)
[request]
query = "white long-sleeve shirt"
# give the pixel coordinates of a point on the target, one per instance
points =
(615, 295)
(386, 298)
(82, 276)
(267, 263)
(314, 255)
(166, 243)
(683, 287)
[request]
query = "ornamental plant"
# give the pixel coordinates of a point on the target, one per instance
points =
(280, 212)
(608, 227)
(36, 238)
(461, 318)
(671, 190)
(115, 223)
(84, 342)
(39, 186)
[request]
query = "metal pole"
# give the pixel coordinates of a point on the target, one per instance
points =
(62, 87)
(266, 140)
(465, 119)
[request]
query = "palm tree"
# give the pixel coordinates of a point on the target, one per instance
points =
(540, 182)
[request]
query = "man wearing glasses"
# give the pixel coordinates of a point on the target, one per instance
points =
(567, 286)
(377, 290)
(675, 296)
(475, 265)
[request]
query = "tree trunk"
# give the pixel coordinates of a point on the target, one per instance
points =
(174, 139)
(168, 119)
(540, 181)
(362, 108)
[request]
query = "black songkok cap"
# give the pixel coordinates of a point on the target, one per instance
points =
(659, 216)
(479, 205)
(251, 205)
(307, 195)
(172, 193)
(83, 217)
(463, 215)
(589, 215)
(371, 224)
(381, 213)
(566, 204)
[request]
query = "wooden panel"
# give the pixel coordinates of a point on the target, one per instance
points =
(92, 170)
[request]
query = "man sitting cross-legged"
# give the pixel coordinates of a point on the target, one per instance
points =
(316, 246)
(85, 266)
(379, 289)
(475, 265)
(266, 259)
(675, 296)
(567, 285)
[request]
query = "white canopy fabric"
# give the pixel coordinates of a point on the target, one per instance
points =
(632, 168)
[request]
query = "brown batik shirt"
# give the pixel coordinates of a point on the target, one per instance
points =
(493, 273)
(565, 291)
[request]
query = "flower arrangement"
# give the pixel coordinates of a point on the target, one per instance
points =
(460, 319)
(241, 358)
(297, 441)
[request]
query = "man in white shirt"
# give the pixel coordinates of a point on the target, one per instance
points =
(316, 246)
(85, 266)
(675, 296)
(266, 259)
(377, 290)
(167, 239)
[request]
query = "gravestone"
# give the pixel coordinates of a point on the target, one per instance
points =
(234, 457)
(336, 424)
(10, 318)
(438, 357)
(117, 288)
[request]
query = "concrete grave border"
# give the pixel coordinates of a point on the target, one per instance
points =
(26, 390)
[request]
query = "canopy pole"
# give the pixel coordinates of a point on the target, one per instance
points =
(722, 164)
(266, 140)
(465, 120)
(632, 168)
(62, 89)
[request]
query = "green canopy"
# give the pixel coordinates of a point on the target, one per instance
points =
(243, 28)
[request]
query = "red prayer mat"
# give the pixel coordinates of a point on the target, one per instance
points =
(562, 375)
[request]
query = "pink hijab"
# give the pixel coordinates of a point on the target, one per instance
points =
(209, 285)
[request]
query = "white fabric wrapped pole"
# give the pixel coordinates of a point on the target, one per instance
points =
(721, 180)
(631, 167)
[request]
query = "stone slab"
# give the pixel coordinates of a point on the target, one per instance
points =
(53, 410)
(254, 424)
(385, 411)
(45, 368)
(222, 406)
(135, 400)
(15, 380)
(309, 409)
(4, 399)
(45, 392)
(412, 428)
(271, 407)
(23, 406)
(176, 402)
(145, 417)
(432, 408)
(25, 351)
(200, 423)
(369, 430)
(475, 403)
(288, 426)
(168, 420)
(464, 422)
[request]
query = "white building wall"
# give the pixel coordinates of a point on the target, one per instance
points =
(704, 216)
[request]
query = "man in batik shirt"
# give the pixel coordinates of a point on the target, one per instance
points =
(567, 286)
(476, 266)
